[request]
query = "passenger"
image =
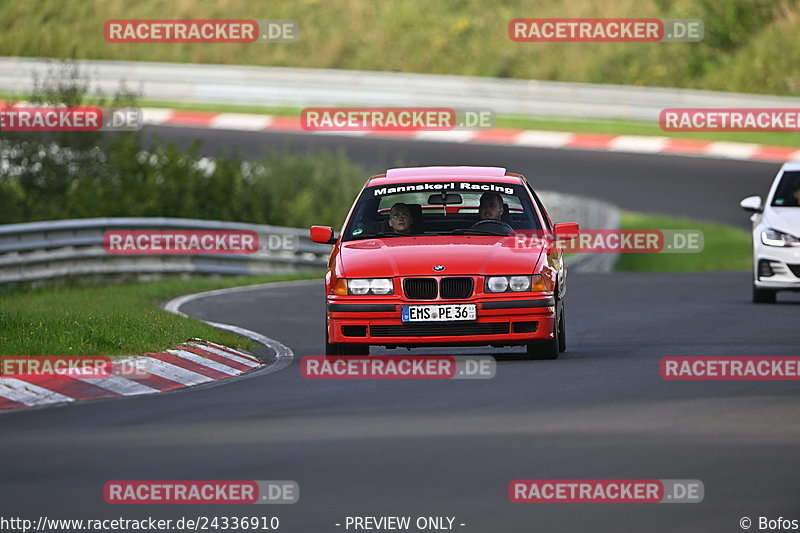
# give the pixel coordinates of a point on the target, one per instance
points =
(400, 218)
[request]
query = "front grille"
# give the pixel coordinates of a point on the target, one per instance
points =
(795, 269)
(420, 288)
(439, 330)
(427, 289)
(456, 288)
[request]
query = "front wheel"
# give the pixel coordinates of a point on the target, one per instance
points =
(345, 349)
(549, 349)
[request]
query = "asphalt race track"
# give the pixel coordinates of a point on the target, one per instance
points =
(450, 448)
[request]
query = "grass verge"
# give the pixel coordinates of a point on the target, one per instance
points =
(725, 247)
(110, 319)
(746, 44)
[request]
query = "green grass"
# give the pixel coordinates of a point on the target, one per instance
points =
(109, 319)
(725, 247)
(747, 45)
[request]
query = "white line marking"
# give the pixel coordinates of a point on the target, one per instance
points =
(23, 392)
(249, 357)
(638, 144)
(155, 116)
(283, 354)
(240, 121)
(227, 355)
(731, 150)
(544, 139)
(172, 372)
(205, 361)
(458, 136)
(120, 385)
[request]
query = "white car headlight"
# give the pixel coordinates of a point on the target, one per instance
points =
(497, 284)
(533, 283)
(358, 286)
(370, 285)
(380, 286)
(772, 237)
(519, 283)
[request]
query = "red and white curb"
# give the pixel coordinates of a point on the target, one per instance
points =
(191, 363)
(509, 137)
(638, 144)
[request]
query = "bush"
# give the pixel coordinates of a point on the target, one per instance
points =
(96, 174)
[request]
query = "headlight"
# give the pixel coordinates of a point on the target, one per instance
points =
(772, 237)
(381, 286)
(370, 286)
(497, 284)
(508, 283)
(519, 283)
(358, 286)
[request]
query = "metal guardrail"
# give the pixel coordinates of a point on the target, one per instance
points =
(299, 87)
(39, 251)
(590, 214)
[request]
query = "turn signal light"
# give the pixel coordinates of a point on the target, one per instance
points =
(340, 289)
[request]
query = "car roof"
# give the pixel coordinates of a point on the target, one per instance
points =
(434, 174)
(791, 166)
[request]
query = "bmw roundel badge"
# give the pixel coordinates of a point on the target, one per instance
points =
(438, 268)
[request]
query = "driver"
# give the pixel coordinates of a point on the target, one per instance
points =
(491, 206)
(490, 211)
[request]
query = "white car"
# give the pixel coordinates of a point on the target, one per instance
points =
(776, 235)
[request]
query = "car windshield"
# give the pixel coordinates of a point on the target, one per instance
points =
(441, 208)
(788, 192)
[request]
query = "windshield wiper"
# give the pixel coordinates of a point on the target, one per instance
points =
(471, 231)
(381, 235)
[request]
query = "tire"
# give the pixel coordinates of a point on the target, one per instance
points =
(547, 350)
(763, 296)
(562, 331)
(345, 349)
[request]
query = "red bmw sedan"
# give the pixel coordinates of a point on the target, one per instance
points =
(446, 256)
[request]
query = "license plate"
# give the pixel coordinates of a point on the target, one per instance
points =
(438, 313)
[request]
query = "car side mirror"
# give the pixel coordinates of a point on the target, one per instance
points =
(322, 234)
(752, 204)
(566, 231)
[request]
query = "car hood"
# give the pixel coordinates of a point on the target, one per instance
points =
(416, 256)
(785, 219)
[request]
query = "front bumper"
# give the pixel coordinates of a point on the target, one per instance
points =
(500, 322)
(783, 263)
